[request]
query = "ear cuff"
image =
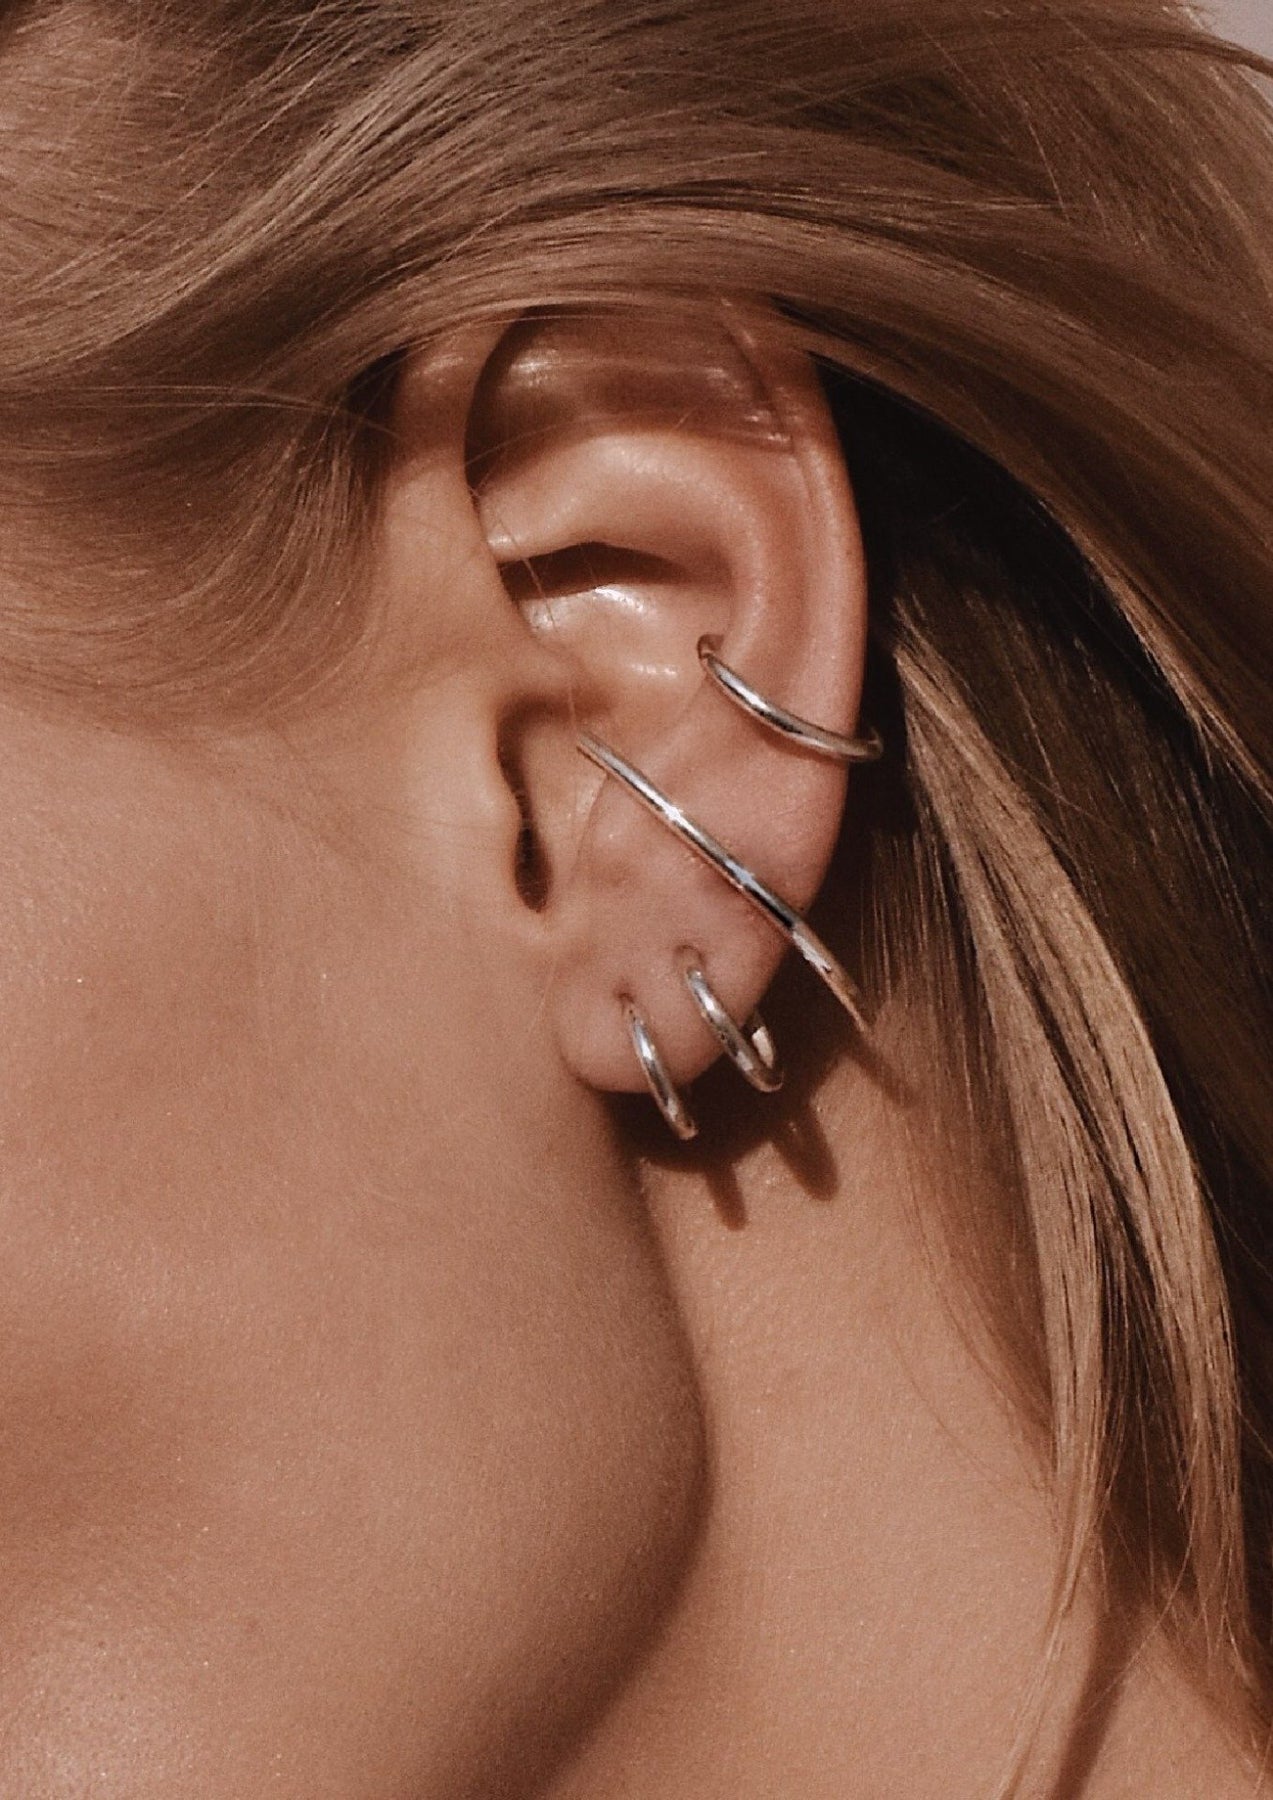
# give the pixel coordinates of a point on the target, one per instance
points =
(750, 1047)
(834, 745)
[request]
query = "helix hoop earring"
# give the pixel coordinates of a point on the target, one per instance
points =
(771, 906)
(663, 1090)
(749, 1047)
(834, 745)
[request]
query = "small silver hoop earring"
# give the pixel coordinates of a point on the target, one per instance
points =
(784, 918)
(795, 730)
(662, 1088)
(749, 1047)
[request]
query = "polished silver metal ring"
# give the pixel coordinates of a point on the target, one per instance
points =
(795, 730)
(771, 906)
(663, 1089)
(749, 1047)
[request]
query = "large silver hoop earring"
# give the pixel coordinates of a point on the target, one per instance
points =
(787, 725)
(663, 1089)
(749, 1047)
(771, 906)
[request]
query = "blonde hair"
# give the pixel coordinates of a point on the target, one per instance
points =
(1033, 246)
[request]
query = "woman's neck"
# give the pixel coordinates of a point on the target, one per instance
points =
(872, 1586)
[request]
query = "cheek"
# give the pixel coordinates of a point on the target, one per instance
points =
(328, 1298)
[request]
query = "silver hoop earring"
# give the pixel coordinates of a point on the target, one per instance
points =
(771, 906)
(817, 738)
(663, 1089)
(749, 1047)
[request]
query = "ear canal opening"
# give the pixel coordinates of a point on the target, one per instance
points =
(531, 874)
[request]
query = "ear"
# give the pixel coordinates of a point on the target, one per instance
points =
(641, 482)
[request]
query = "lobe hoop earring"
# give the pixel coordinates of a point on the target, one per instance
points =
(663, 1090)
(750, 1047)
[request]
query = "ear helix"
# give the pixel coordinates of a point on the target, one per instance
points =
(750, 1048)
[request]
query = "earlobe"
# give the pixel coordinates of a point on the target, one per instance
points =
(650, 486)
